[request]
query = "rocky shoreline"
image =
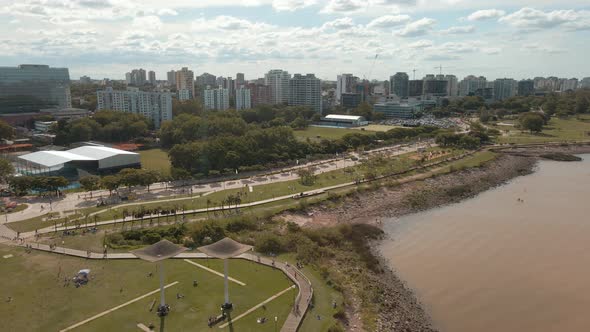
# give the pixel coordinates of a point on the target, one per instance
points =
(399, 308)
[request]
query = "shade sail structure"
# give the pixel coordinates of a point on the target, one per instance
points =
(159, 251)
(225, 248)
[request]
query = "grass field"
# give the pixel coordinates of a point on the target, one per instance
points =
(40, 302)
(557, 130)
(155, 159)
(319, 133)
(376, 127)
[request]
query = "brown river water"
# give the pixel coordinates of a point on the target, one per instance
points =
(494, 263)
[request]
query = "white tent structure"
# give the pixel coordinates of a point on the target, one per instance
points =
(96, 158)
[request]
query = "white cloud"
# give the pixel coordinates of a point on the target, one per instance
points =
(423, 43)
(486, 14)
(337, 6)
(227, 23)
(167, 11)
(530, 18)
(291, 5)
(147, 22)
(491, 50)
(388, 21)
(459, 30)
(339, 24)
(416, 28)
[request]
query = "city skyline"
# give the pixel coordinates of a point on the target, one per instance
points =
(516, 39)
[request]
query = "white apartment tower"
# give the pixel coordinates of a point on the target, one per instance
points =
(306, 90)
(278, 81)
(216, 99)
(243, 99)
(156, 106)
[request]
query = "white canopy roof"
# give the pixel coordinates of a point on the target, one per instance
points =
(53, 158)
(344, 117)
(83, 153)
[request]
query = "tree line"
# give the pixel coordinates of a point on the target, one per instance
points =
(105, 125)
(201, 124)
(275, 147)
(128, 177)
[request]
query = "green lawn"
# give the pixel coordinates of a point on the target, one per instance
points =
(476, 160)
(40, 302)
(557, 130)
(155, 159)
(319, 133)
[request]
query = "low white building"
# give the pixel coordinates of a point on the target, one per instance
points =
(90, 159)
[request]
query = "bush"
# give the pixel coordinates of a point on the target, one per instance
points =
(269, 243)
(151, 237)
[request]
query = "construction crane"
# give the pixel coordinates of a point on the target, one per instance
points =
(372, 66)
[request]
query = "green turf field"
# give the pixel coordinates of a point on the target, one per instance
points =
(40, 302)
(557, 130)
(155, 159)
(319, 133)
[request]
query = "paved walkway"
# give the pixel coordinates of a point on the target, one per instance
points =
(294, 318)
(76, 201)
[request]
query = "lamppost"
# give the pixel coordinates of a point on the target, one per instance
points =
(276, 319)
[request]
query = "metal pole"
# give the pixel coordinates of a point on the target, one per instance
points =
(225, 281)
(162, 297)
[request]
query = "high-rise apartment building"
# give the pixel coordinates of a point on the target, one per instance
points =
(230, 86)
(185, 80)
(452, 85)
(306, 90)
(136, 77)
(415, 88)
(526, 88)
(32, 87)
(278, 81)
(240, 80)
(206, 79)
(470, 84)
(216, 99)
(152, 77)
(399, 84)
(156, 106)
(585, 83)
(345, 83)
(243, 99)
(568, 84)
(171, 78)
(505, 88)
(435, 85)
(259, 94)
(85, 80)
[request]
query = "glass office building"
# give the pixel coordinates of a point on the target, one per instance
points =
(29, 88)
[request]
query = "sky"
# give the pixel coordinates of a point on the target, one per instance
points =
(372, 39)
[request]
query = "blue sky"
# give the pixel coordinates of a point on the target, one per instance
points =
(106, 38)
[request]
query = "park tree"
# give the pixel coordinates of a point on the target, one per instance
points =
(110, 182)
(20, 184)
(532, 122)
(90, 183)
(306, 177)
(180, 174)
(148, 177)
(6, 169)
(53, 183)
(6, 130)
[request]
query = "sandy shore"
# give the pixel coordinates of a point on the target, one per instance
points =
(400, 310)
